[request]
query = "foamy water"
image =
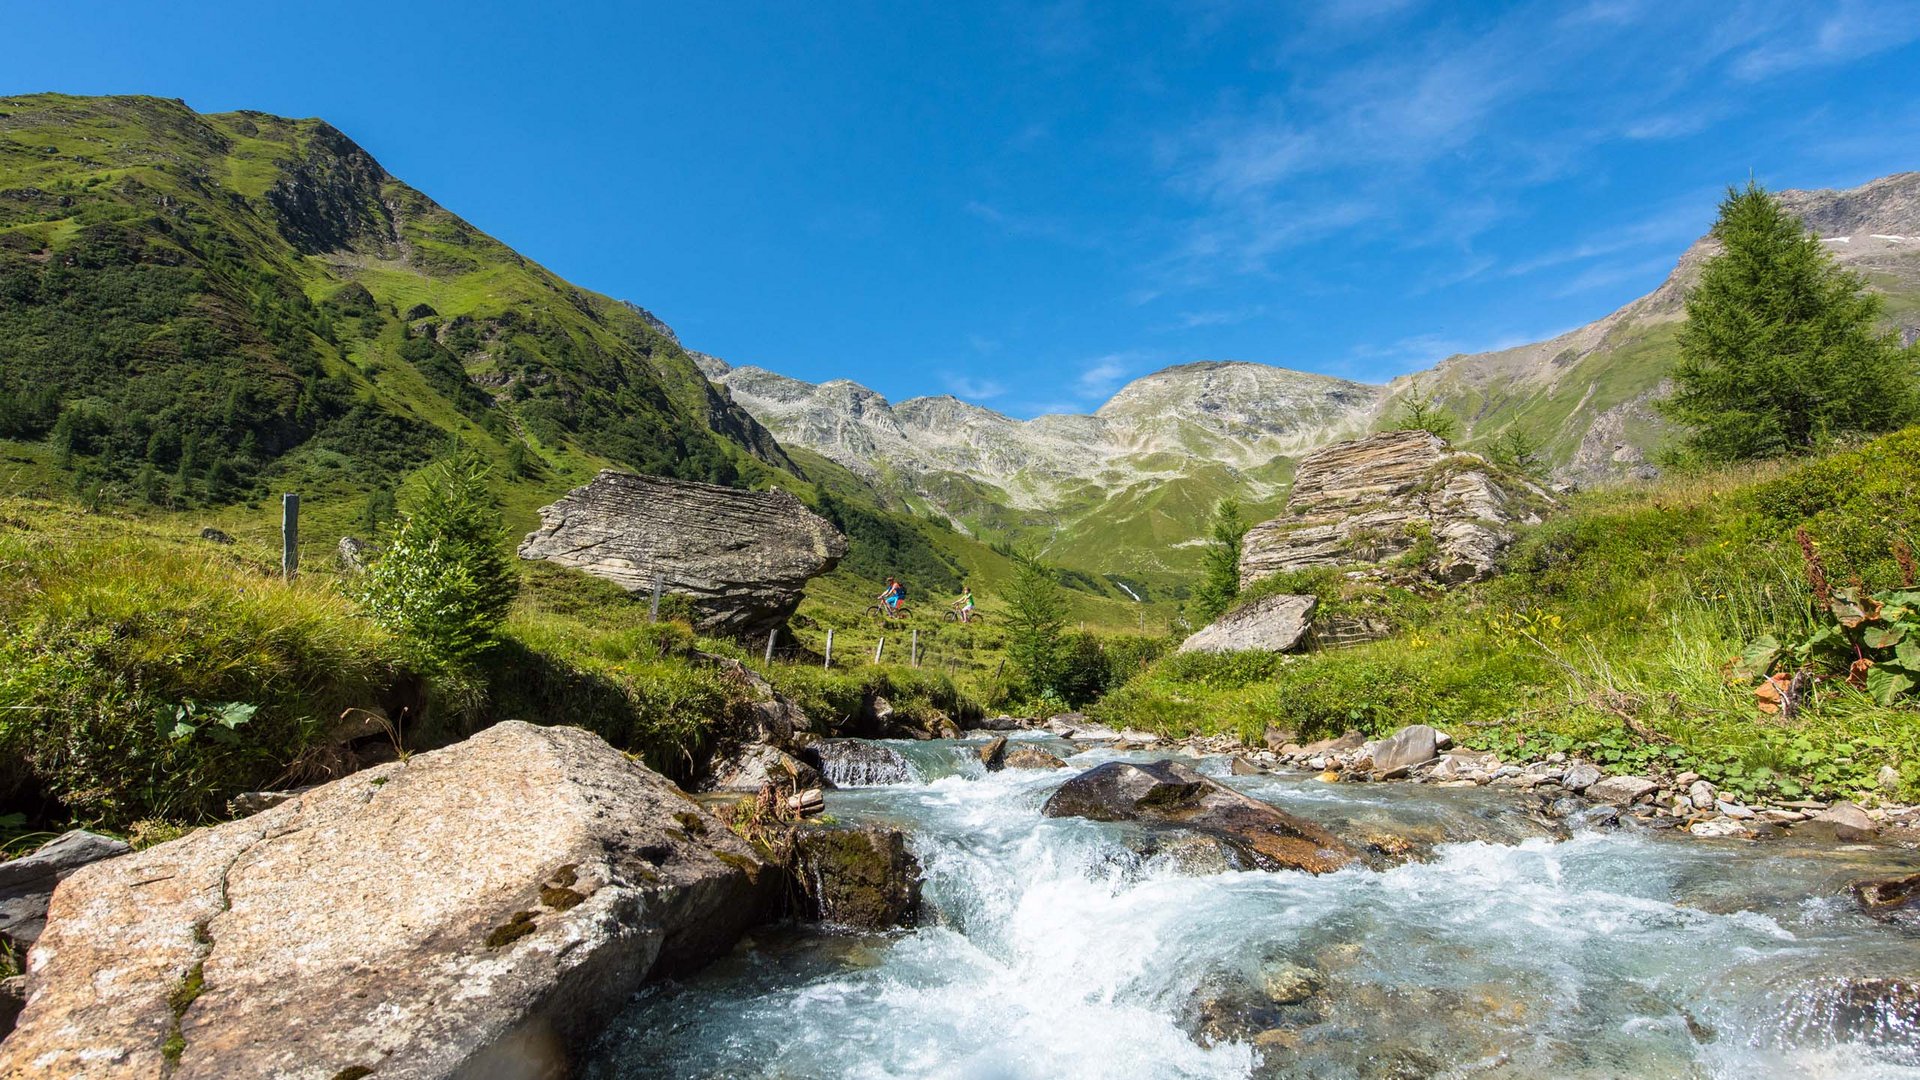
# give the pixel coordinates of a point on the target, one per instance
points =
(1053, 949)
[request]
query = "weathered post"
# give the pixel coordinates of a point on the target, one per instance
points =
(770, 636)
(829, 662)
(913, 650)
(653, 609)
(877, 646)
(289, 534)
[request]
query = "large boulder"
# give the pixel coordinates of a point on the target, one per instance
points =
(742, 557)
(1415, 744)
(859, 878)
(475, 911)
(1170, 793)
(26, 883)
(1370, 499)
(1270, 624)
(858, 763)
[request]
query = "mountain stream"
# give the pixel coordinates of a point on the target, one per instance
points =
(1068, 948)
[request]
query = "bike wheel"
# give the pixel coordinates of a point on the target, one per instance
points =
(874, 610)
(952, 616)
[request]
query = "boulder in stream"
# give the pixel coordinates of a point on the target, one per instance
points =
(479, 910)
(994, 754)
(858, 763)
(742, 557)
(859, 878)
(1415, 744)
(1885, 898)
(1031, 757)
(1170, 793)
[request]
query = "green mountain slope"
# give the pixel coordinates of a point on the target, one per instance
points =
(196, 307)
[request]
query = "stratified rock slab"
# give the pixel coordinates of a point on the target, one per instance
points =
(1269, 624)
(474, 911)
(742, 557)
(1170, 793)
(1370, 499)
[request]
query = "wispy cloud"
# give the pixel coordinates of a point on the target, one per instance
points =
(1847, 32)
(1103, 375)
(972, 389)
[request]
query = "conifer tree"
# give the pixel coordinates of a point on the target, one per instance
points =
(1781, 351)
(1036, 615)
(1220, 582)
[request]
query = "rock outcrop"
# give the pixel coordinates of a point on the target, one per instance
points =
(742, 557)
(1270, 624)
(1167, 792)
(859, 878)
(1374, 498)
(474, 911)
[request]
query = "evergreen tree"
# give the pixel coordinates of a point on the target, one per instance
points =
(1220, 580)
(444, 580)
(1781, 352)
(1036, 615)
(1420, 411)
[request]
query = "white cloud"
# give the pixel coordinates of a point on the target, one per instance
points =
(1852, 30)
(1101, 377)
(971, 389)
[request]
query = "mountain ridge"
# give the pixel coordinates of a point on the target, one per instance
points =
(1234, 426)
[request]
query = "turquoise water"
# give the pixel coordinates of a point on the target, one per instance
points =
(1053, 948)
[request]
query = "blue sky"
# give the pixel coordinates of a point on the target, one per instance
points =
(1028, 204)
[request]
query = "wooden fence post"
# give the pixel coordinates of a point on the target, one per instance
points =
(770, 637)
(913, 651)
(877, 646)
(653, 608)
(289, 534)
(829, 662)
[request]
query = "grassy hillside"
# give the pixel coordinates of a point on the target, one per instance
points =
(200, 311)
(1615, 630)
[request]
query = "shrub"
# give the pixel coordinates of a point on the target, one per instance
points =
(444, 581)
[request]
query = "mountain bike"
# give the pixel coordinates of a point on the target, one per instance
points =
(880, 610)
(954, 616)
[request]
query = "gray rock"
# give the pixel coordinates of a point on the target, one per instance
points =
(1032, 757)
(215, 535)
(1170, 793)
(1702, 795)
(1580, 776)
(1622, 790)
(1720, 827)
(434, 918)
(1845, 821)
(858, 763)
(860, 878)
(742, 557)
(757, 764)
(1887, 779)
(1240, 766)
(1733, 810)
(1270, 624)
(353, 554)
(1290, 984)
(252, 802)
(27, 883)
(1415, 744)
(1371, 499)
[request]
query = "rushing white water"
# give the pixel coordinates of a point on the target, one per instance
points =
(1053, 949)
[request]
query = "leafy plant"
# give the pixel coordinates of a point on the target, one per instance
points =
(1873, 641)
(220, 722)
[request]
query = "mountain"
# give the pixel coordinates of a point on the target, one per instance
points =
(1127, 490)
(197, 308)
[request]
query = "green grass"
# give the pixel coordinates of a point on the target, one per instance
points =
(1612, 633)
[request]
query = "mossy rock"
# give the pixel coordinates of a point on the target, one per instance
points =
(860, 878)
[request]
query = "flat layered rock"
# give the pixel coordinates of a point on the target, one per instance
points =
(1276, 623)
(479, 910)
(742, 557)
(1168, 792)
(1370, 499)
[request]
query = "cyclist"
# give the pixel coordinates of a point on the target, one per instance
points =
(894, 594)
(964, 605)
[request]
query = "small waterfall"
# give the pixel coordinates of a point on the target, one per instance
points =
(861, 763)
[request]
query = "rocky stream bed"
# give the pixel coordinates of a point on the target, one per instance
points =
(1482, 930)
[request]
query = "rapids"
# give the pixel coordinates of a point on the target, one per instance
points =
(1052, 948)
